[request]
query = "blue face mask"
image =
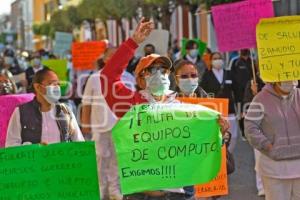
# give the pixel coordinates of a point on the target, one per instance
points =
(188, 86)
(158, 84)
(53, 94)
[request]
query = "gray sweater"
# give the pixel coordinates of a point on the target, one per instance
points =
(273, 119)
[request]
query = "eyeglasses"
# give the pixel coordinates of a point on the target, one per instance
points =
(186, 76)
(155, 68)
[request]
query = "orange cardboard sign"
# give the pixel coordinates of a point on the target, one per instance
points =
(84, 54)
(219, 185)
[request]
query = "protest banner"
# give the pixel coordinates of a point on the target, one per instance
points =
(60, 68)
(163, 146)
(235, 23)
(8, 104)
(86, 53)
(159, 38)
(278, 45)
(53, 172)
(63, 43)
(219, 185)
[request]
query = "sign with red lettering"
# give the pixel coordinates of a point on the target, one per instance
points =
(86, 53)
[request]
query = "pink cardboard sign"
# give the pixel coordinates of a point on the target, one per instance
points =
(235, 23)
(8, 103)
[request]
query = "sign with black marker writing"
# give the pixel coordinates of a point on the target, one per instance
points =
(235, 23)
(278, 45)
(53, 172)
(163, 146)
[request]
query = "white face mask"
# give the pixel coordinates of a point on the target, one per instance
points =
(36, 62)
(69, 57)
(188, 85)
(53, 93)
(193, 53)
(288, 86)
(158, 84)
(8, 60)
(217, 64)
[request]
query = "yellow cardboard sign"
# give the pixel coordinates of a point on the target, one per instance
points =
(278, 45)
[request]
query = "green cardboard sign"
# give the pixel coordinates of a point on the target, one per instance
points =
(60, 68)
(163, 146)
(201, 46)
(57, 171)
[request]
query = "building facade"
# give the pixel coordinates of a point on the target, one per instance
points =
(286, 7)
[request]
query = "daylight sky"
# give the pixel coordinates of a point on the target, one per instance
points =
(5, 6)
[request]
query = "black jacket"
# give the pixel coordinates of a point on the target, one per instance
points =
(241, 74)
(225, 90)
(32, 126)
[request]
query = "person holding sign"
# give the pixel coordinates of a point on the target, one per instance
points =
(272, 126)
(153, 84)
(42, 120)
(187, 79)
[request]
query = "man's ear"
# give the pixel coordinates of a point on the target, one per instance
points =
(36, 87)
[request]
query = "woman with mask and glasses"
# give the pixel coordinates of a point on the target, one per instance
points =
(49, 121)
(187, 80)
(152, 78)
(187, 85)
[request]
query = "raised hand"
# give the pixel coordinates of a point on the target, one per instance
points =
(142, 30)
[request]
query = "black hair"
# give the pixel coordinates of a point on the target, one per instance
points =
(40, 76)
(9, 53)
(214, 53)
(190, 44)
(181, 62)
(149, 45)
(245, 52)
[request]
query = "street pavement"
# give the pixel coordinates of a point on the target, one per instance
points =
(242, 181)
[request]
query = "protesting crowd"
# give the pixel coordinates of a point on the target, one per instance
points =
(86, 106)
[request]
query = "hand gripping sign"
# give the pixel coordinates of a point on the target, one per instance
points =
(163, 146)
